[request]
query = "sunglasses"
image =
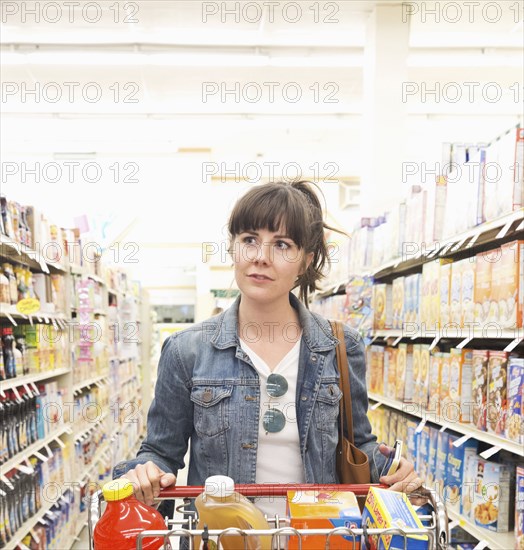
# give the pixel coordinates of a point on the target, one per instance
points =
(274, 420)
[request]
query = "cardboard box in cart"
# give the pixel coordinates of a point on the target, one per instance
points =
(323, 510)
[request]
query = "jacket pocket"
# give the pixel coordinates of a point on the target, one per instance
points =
(327, 407)
(211, 409)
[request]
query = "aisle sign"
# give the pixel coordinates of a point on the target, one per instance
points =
(27, 306)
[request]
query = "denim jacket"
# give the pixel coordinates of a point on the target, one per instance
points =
(208, 391)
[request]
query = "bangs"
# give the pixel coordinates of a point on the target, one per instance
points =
(273, 207)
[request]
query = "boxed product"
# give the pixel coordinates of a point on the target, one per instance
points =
(445, 290)
(519, 508)
(479, 390)
(411, 440)
(467, 292)
(482, 292)
(323, 510)
(459, 409)
(455, 314)
(422, 462)
(398, 302)
(491, 508)
(390, 372)
(435, 369)
(382, 306)
(425, 306)
(416, 374)
(425, 358)
(389, 509)
(404, 382)
(455, 473)
(432, 457)
(376, 368)
(468, 487)
(496, 410)
(441, 463)
(515, 395)
(445, 377)
(508, 284)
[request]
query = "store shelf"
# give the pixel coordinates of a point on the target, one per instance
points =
(81, 521)
(83, 432)
(22, 254)
(21, 380)
(490, 332)
(90, 382)
(27, 526)
(495, 541)
(468, 241)
(41, 316)
(36, 446)
(428, 416)
(99, 312)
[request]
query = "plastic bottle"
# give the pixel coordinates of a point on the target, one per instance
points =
(9, 357)
(220, 507)
(124, 518)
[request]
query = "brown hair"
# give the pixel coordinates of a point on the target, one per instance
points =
(294, 206)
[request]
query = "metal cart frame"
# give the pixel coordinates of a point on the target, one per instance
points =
(437, 531)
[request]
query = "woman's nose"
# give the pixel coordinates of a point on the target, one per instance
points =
(263, 253)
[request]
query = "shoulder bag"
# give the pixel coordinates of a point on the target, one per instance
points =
(352, 463)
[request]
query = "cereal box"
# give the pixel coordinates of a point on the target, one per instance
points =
(434, 309)
(491, 508)
(382, 306)
(515, 394)
(455, 470)
(323, 510)
(388, 509)
(425, 309)
(391, 374)
(467, 297)
(441, 463)
(455, 295)
(445, 375)
(519, 509)
(509, 284)
(412, 440)
(432, 457)
(404, 373)
(482, 291)
(424, 374)
(422, 462)
(497, 406)
(416, 374)
(376, 368)
(459, 409)
(479, 390)
(398, 302)
(468, 486)
(445, 288)
(435, 367)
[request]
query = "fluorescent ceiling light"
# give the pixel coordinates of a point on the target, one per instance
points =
(464, 60)
(175, 59)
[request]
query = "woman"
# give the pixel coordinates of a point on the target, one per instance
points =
(256, 388)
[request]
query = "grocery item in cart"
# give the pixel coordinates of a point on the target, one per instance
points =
(317, 509)
(220, 507)
(385, 509)
(124, 518)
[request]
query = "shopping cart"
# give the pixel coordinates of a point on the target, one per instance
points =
(435, 522)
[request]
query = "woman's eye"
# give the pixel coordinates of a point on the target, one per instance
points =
(249, 240)
(282, 245)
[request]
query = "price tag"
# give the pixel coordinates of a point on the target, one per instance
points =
(420, 427)
(24, 469)
(473, 240)
(464, 342)
(60, 442)
(490, 452)
(17, 395)
(31, 320)
(502, 233)
(13, 322)
(40, 456)
(520, 227)
(35, 536)
(512, 345)
(397, 340)
(49, 451)
(435, 341)
(375, 406)
(6, 481)
(33, 385)
(27, 306)
(43, 265)
(443, 429)
(27, 389)
(481, 545)
(459, 442)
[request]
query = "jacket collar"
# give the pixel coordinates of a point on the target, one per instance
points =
(316, 331)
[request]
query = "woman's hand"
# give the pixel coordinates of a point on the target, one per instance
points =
(147, 480)
(405, 479)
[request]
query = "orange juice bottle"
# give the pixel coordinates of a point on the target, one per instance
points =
(220, 507)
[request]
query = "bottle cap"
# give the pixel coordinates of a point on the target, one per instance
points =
(219, 486)
(118, 489)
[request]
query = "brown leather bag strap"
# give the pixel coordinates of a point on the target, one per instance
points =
(346, 409)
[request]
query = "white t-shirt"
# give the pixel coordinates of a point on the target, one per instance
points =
(278, 454)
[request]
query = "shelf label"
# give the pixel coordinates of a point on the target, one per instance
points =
(443, 429)
(481, 545)
(40, 456)
(420, 427)
(5, 479)
(512, 345)
(24, 469)
(13, 322)
(27, 306)
(375, 406)
(435, 341)
(490, 452)
(502, 233)
(397, 340)
(473, 240)
(459, 442)
(464, 342)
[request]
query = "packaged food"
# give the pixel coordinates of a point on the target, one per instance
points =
(515, 394)
(404, 373)
(455, 295)
(479, 388)
(424, 374)
(445, 377)
(376, 368)
(432, 458)
(398, 302)
(323, 510)
(508, 284)
(445, 288)
(435, 368)
(492, 496)
(390, 372)
(467, 297)
(441, 463)
(422, 462)
(468, 487)
(519, 509)
(459, 409)
(388, 509)
(455, 472)
(497, 392)
(382, 306)
(482, 292)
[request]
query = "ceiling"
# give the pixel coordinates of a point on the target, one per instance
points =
(172, 85)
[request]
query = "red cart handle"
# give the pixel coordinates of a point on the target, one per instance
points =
(267, 489)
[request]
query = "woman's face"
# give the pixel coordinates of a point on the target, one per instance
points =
(267, 264)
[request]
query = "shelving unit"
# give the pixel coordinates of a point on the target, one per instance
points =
(118, 435)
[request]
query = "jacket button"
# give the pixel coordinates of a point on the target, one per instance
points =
(314, 358)
(304, 398)
(207, 396)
